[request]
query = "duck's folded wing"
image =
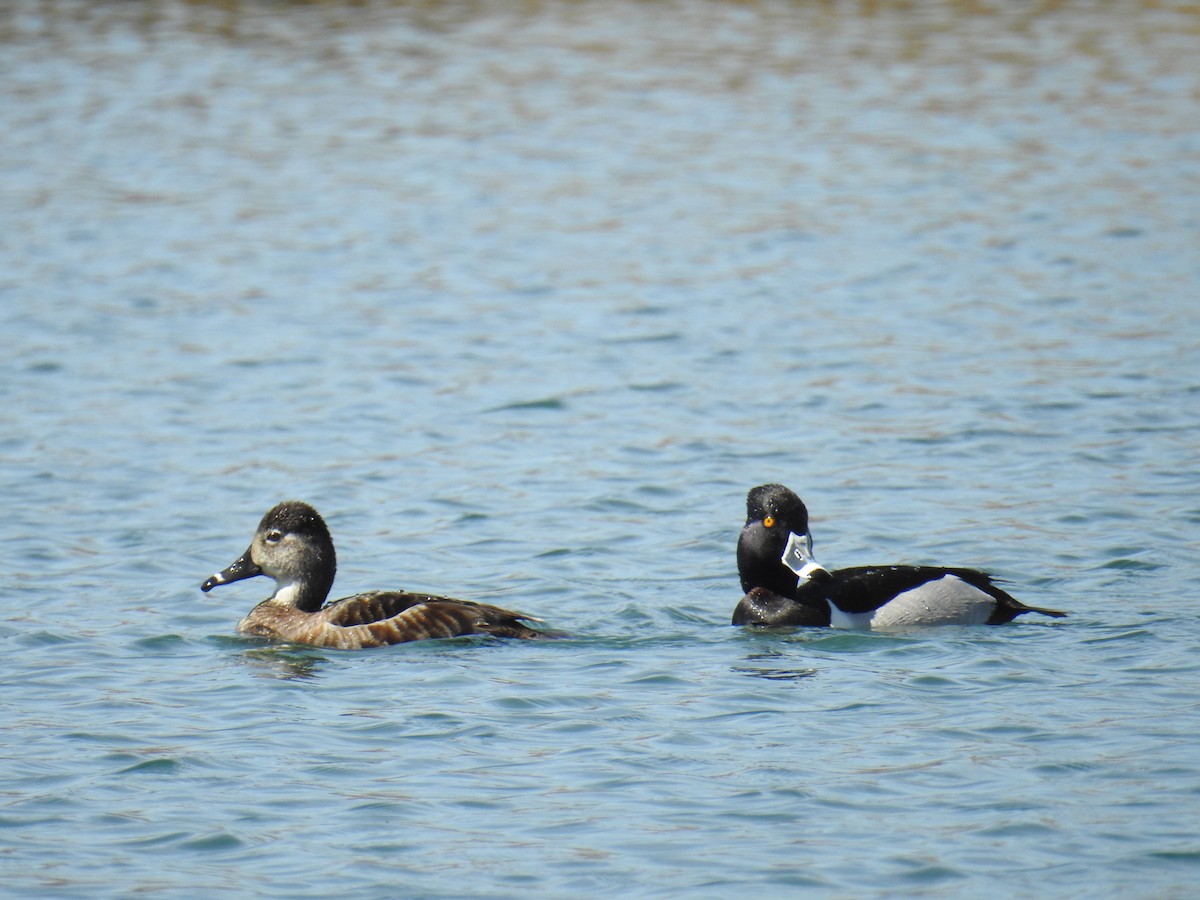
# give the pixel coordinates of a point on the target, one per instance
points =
(378, 618)
(371, 606)
(863, 589)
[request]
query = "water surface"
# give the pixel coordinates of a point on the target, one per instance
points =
(524, 299)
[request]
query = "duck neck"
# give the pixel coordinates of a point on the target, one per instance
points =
(301, 595)
(773, 575)
(812, 591)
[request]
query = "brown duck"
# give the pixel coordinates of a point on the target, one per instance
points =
(292, 545)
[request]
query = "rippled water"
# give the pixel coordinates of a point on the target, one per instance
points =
(524, 298)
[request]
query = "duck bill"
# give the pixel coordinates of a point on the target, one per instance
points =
(798, 556)
(242, 567)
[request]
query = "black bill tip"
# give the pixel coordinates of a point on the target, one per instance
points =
(242, 567)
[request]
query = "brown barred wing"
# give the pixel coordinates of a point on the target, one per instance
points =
(369, 607)
(379, 618)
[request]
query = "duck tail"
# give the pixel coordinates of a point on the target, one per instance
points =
(1052, 613)
(1008, 608)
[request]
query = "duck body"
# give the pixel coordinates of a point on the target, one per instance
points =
(293, 546)
(785, 586)
(906, 596)
(382, 618)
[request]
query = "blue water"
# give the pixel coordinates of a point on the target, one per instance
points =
(524, 298)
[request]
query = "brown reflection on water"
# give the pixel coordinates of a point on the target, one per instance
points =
(656, 134)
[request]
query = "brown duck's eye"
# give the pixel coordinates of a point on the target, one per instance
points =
(274, 536)
(769, 521)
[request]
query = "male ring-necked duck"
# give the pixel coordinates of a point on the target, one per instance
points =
(786, 586)
(292, 545)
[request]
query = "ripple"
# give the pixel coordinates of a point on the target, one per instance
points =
(219, 842)
(546, 403)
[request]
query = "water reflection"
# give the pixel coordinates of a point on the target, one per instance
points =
(286, 662)
(862, 32)
(771, 665)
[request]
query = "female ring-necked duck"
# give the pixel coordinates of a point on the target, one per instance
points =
(786, 586)
(292, 545)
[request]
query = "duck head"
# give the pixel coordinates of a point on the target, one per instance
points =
(775, 547)
(292, 545)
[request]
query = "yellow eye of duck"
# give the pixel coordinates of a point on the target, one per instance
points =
(769, 521)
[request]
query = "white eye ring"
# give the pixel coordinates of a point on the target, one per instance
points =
(274, 536)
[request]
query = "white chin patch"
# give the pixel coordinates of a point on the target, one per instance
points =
(286, 594)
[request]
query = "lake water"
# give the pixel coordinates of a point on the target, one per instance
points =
(524, 298)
